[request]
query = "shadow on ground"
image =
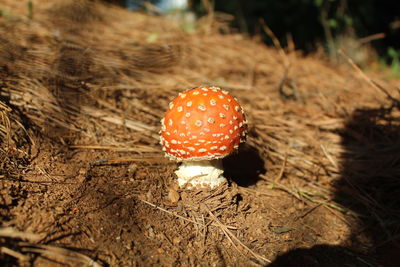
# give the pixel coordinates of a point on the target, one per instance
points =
(370, 184)
(317, 256)
(369, 187)
(245, 166)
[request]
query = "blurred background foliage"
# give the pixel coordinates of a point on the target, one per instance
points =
(332, 24)
(367, 31)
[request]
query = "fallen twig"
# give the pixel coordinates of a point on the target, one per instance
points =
(231, 236)
(176, 215)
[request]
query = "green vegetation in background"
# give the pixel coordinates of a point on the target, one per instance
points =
(6, 14)
(311, 23)
(30, 9)
(394, 61)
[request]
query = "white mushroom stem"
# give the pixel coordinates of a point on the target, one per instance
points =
(202, 173)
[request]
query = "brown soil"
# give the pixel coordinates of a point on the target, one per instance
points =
(84, 181)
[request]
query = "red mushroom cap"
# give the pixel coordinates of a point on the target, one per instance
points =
(202, 123)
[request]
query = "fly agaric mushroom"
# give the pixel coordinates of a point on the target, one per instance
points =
(202, 126)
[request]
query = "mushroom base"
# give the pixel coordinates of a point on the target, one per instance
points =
(200, 173)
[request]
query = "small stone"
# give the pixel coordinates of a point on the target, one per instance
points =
(149, 196)
(82, 175)
(173, 195)
(151, 232)
(176, 240)
(184, 196)
(292, 210)
(132, 168)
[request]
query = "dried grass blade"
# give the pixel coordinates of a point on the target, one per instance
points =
(21, 257)
(65, 254)
(131, 124)
(12, 233)
(137, 148)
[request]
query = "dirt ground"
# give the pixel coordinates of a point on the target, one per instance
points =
(84, 181)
